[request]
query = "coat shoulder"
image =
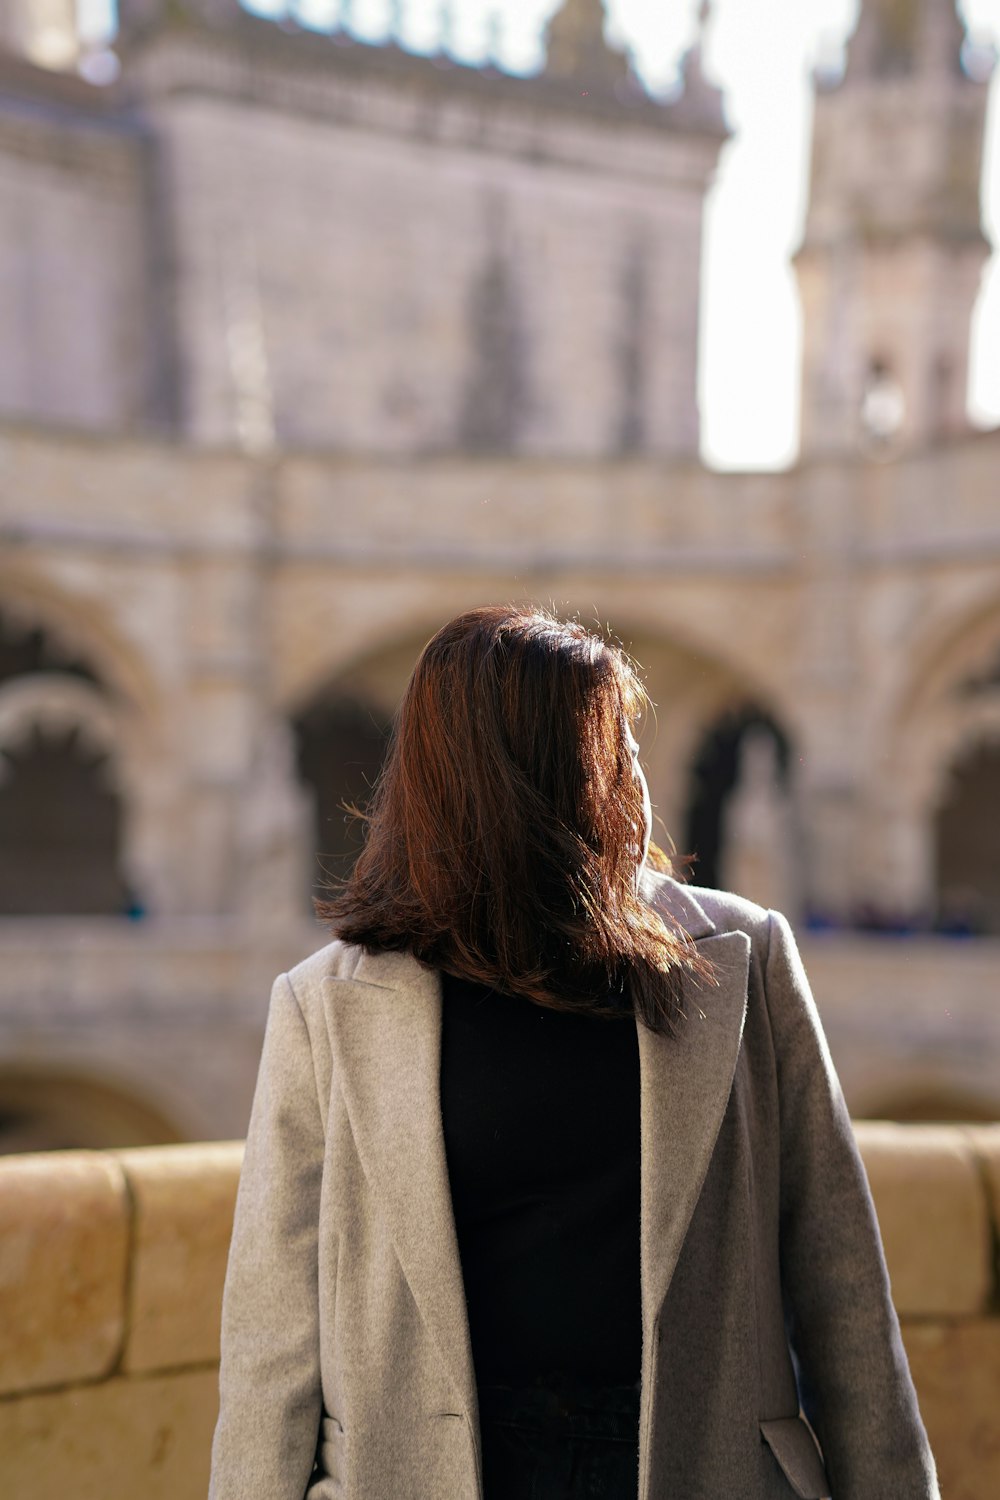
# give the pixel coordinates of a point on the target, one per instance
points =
(335, 960)
(731, 912)
(702, 911)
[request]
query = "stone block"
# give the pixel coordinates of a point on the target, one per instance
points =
(64, 1227)
(985, 1143)
(148, 1436)
(183, 1199)
(956, 1370)
(933, 1216)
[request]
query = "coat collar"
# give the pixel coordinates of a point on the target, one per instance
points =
(676, 901)
(385, 1026)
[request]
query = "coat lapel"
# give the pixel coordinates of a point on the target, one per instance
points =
(685, 1083)
(385, 1023)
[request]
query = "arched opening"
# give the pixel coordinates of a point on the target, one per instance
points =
(60, 830)
(26, 650)
(342, 733)
(718, 769)
(62, 1112)
(943, 715)
(341, 740)
(60, 807)
(883, 405)
(967, 837)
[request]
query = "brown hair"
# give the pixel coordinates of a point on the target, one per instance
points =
(502, 835)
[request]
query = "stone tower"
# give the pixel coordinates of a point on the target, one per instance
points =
(893, 251)
(44, 31)
(575, 45)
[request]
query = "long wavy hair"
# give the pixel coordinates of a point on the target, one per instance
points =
(504, 834)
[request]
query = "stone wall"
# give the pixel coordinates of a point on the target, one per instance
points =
(410, 264)
(74, 298)
(845, 599)
(262, 235)
(216, 598)
(111, 1268)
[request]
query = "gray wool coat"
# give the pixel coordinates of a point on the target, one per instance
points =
(346, 1365)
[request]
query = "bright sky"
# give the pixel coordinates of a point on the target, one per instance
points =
(761, 53)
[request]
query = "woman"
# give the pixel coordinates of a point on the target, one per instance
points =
(549, 1188)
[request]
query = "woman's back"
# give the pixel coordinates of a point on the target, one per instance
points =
(540, 1110)
(441, 1286)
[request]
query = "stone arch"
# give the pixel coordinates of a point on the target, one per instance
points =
(69, 678)
(967, 842)
(961, 648)
(82, 632)
(49, 1110)
(692, 688)
(62, 798)
(948, 707)
(690, 684)
(341, 731)
(322, 634)
(55, 704)
(697, 689)
(28, 650)
(60, 802)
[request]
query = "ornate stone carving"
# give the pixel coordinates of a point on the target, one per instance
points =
(575, 46)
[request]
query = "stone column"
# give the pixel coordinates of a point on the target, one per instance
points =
(218, 737)
(827, 776)
(757, 833)
(251, 821)
(274, 836)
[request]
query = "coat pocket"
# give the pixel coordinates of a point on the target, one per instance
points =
(793, 1445)
(329, 1454)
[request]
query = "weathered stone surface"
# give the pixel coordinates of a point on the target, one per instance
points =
(183, 1200)
(956, 1369)
(62, 1216)
(63, 1256)
(555, 253)
(933, 1217)
(119, 1439)
(985, 1143)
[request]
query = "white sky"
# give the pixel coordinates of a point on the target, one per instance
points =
(760, 52)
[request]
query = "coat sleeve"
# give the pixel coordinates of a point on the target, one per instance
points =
(854, 1379)
(269, 1383)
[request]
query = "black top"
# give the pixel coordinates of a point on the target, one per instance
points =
(541, 1125)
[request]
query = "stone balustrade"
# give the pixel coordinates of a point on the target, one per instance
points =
(111, 1270)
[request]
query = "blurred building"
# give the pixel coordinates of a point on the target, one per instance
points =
(309, 343)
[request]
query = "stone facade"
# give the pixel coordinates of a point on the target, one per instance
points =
(73, 289)
(318, 343)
